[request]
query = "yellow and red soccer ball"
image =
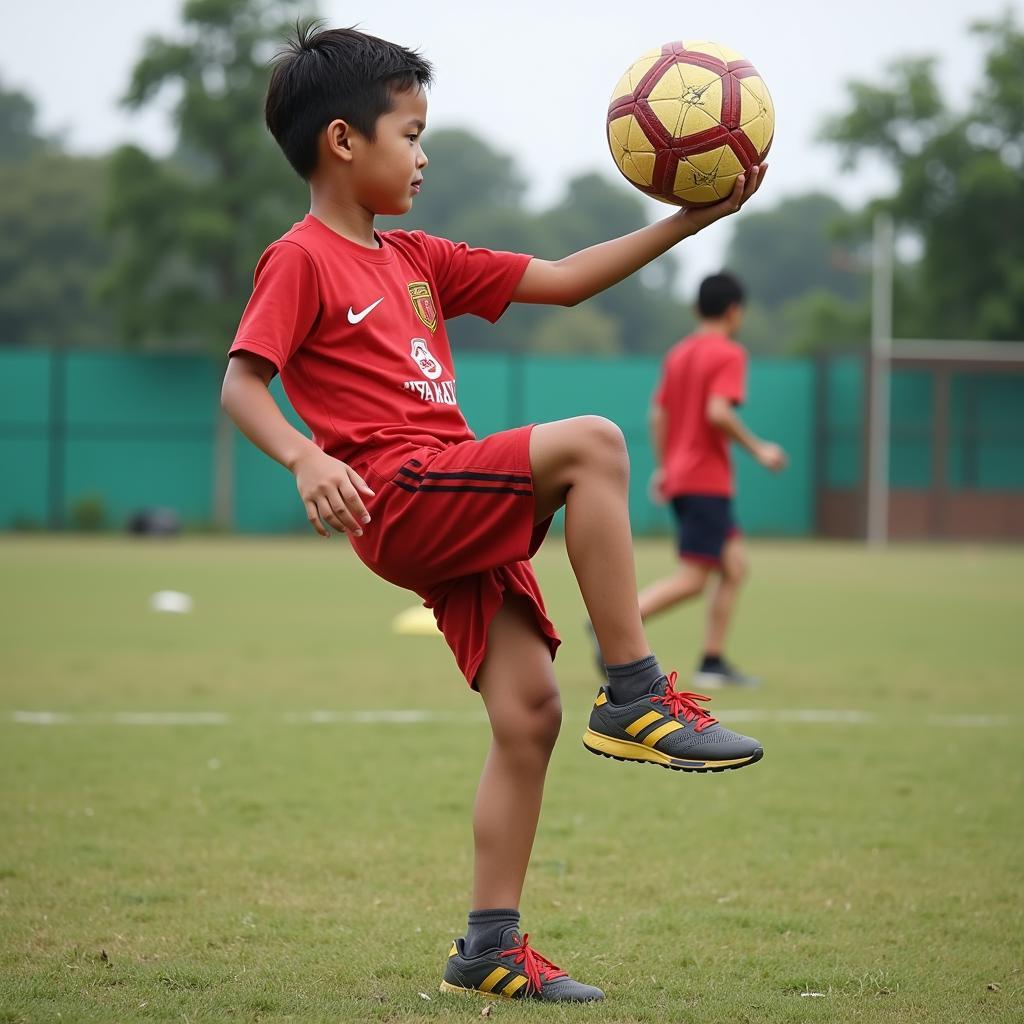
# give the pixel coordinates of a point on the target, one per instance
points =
(686, 119)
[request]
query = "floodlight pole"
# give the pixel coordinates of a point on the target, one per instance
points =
(878, 405)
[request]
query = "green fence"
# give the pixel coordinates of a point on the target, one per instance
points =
(986, 430)
(122, 431)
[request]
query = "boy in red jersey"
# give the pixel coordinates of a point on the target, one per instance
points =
(692, 422)
(354, 321)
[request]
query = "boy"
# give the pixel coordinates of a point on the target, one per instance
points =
(355, 323)
(692, 422)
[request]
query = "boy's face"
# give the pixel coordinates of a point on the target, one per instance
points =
(388, 170)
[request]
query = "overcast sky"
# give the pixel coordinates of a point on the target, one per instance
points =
(532, 76)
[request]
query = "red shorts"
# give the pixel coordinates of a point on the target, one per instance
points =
(455, 525)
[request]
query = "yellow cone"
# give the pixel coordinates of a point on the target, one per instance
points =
(418, 621)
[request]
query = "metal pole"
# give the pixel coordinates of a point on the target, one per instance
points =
(878, 409)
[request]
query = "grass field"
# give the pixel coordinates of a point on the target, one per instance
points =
(257, 862)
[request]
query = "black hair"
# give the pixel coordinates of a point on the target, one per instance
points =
(717, 293)
(328, 73)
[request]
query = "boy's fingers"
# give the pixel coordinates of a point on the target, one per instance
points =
(341, 519)
(314, 519)
(361, 484)
(354, 505)
(737, 191)
(750, 186)
(328, 515)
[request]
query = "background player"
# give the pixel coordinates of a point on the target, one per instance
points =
(693, 421)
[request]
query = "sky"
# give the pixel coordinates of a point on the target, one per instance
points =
(533, 77)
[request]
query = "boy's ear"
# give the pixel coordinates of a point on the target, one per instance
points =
(338, 139)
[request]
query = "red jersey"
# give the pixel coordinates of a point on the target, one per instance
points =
(358, 335)
(696, 453)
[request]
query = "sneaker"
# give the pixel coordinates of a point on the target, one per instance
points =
(668, 728)
(722, 673)
(512, 970)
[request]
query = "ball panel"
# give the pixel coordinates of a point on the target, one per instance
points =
(706, 177)
(722, 53)
(757, 115)
(628, 83)
(686, 99)
(631, 150)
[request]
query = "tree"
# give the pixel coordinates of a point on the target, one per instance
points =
(191, 229)
(795, 247)
(581, 330)
(51, 247)
(19, 138)
(52, 251)
(960, 190)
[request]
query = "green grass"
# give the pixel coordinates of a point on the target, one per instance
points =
(269, 869)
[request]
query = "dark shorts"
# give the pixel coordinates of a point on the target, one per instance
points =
(455, 525)
(704, 522)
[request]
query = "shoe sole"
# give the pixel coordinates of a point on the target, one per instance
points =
(624, 750)
(447, 986)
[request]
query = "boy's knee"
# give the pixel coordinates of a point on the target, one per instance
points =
(546, 721)
(534, 726)
(602, 440)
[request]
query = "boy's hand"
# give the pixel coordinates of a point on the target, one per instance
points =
(330, 491)
(746, 185)
(772, 456)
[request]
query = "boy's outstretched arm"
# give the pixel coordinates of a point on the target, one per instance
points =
(568, 281)
(329, 488)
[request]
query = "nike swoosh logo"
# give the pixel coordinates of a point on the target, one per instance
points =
(354, 318)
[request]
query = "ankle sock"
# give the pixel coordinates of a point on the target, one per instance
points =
(711, 663)
(634, 679)
(484, 928)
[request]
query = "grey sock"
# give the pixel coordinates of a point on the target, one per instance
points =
(485, 928)
(634, 679)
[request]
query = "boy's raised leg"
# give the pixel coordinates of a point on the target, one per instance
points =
(582, 464)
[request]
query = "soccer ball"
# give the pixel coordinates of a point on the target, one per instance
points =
(686, 119)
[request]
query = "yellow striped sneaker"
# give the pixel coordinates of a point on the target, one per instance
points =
(669, 728)
(512, 970)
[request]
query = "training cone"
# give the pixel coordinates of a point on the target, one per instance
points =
(418, 621)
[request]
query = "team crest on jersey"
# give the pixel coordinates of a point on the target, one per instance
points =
(423, 303)
(427, 364)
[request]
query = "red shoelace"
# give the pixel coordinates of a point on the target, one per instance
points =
(534, 964)
(682, 702)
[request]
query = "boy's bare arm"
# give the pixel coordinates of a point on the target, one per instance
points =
(723, 417)
(328, 488)
(568, 281)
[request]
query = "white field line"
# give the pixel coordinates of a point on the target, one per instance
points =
(799, 716)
